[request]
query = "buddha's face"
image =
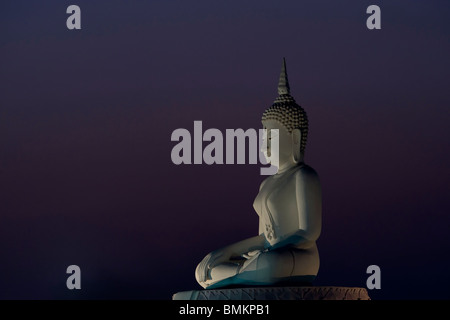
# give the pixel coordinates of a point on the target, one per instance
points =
(285, 141)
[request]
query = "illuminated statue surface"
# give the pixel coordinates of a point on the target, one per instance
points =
(289, 206)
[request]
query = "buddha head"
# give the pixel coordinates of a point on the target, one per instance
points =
(290, 120)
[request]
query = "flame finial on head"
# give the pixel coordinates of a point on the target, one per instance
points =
(283, 83)
(285, 110)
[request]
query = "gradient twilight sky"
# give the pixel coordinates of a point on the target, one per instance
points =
(86, 118)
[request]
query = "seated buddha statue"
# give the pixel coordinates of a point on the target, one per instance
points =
(289, 207)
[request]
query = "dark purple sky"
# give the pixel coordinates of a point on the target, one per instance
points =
(86, 118)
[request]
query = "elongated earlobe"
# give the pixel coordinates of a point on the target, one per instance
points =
(296, 139)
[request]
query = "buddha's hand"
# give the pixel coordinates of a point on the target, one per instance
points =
(251, 254)
(203, 271)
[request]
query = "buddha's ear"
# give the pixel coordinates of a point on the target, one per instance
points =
(296, 139)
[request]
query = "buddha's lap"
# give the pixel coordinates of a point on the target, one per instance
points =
(284, 262)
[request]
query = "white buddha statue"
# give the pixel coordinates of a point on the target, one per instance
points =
(289, 206)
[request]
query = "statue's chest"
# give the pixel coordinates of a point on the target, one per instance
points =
(276, 203)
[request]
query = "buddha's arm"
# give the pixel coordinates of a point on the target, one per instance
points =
(309, 209)
(309, 204)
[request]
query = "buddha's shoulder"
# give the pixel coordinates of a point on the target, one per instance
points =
(305, 172)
